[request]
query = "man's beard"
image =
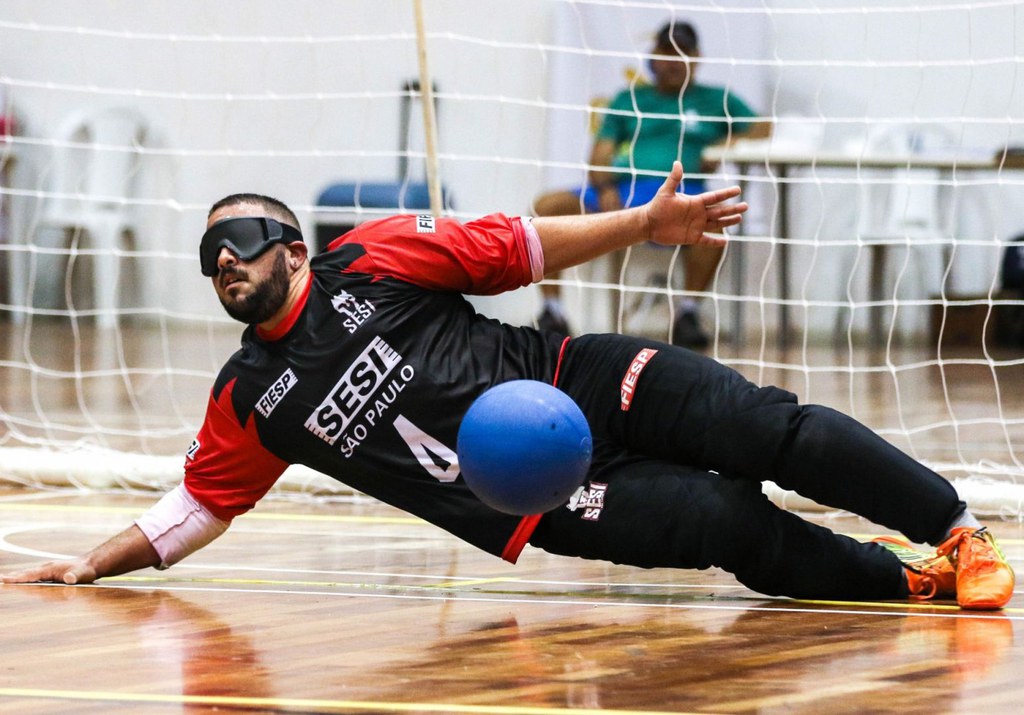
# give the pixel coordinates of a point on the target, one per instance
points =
(266, 299)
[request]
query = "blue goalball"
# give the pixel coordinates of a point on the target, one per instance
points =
(524, 447)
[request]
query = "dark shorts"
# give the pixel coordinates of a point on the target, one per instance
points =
(636, 192)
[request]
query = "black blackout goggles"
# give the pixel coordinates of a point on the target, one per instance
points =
(246, 237)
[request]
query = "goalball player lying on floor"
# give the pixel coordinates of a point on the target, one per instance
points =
(361, 362)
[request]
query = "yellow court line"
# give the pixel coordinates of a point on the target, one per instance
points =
(257, 582)
(407, 589)
(472, 582)
(326, 518)
(885, 604)
(917, 606)
(527, 597)
(72, 508)
(457, 586)
(264, 516)
(308, 703)
(927, 608)
(340, 518)
(450, 585)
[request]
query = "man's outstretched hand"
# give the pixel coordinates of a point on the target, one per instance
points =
(68, 572)
(675, 219)
(128, 551)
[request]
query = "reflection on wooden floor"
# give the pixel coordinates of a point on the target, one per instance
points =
(350, 606)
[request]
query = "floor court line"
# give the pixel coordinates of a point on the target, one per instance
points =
(446, 583)
(454, 580)
(309, 703)
(299, 516)
(741, 603)
(456, 587)
(457, 579)
(251, 516)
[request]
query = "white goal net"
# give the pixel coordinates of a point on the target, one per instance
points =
(869, 275)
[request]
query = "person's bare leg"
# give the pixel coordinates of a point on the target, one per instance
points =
(700, 263)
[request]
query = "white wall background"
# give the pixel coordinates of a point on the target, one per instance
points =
(286, 97)
(275, 97)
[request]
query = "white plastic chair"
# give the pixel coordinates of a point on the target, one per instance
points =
(909, 207)
(91, 179)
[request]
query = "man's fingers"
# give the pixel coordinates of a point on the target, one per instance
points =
(719, 225)
(26, 576)
(724, 222)
(56, 572)
(719, 195)
(672, 181)
(717, 213)
(679, 220)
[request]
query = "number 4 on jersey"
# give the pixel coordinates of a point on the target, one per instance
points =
(440, 461)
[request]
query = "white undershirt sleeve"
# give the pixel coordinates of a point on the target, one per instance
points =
(177, 525)
(534, 249)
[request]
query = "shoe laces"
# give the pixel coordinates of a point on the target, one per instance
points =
(973, 544)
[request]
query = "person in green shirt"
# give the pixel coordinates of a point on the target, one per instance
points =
(646, 127)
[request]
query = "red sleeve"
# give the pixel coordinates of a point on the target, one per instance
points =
(487, 256)
(227, 470)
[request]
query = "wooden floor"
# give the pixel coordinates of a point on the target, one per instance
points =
(352, 607)
(347, 606)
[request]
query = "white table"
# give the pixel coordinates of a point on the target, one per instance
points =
(779, 161)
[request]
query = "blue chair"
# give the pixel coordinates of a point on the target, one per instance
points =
(410, 196)
(338, 204)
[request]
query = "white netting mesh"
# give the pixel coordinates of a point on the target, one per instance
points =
(894, 128)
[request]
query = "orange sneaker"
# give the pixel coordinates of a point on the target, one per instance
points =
(984, 580)
(928, 575)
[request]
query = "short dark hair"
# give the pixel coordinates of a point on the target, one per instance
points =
(677, 36)
(275, 209)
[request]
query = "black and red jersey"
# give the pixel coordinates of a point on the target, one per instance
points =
(368, 378)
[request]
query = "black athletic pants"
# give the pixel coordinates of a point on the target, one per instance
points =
(676, 478)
